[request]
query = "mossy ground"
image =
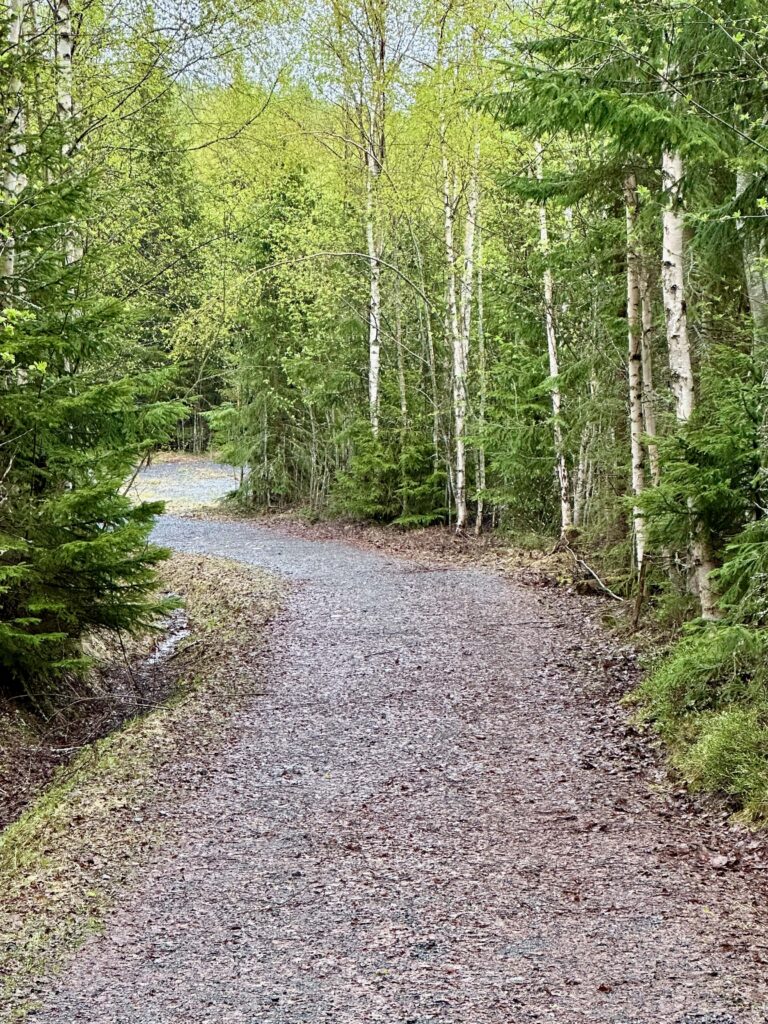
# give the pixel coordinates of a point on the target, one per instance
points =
(708, 700)
(64, 861)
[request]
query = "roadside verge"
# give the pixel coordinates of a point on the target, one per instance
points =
(63, 862)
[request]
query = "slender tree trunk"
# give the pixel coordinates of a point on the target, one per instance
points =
(65, 108)
(461, 341)
(581, 489)
(482, 389)
(678, 344)
(374, 301)
(566, 516)
(430, 352)
(754, 255)
(401, 382)
(14, 180)
(649, 407)
(634, 365)
(673, 286)
(459, 373)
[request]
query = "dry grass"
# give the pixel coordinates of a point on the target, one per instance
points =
(63, 862)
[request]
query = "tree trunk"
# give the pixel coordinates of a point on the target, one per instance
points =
(65, 108)
(581, 489)
(456, 343)
(754, 255)
(482, 389)
(679, 350)
(14, 179)
(461, 342)
(634, 365)
(566, 517)
(374, 302)
(649, 408)
(401, 382)
(673, 286)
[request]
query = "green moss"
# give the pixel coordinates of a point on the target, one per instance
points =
(708, 699)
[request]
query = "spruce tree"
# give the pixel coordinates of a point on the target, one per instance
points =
(74, 414)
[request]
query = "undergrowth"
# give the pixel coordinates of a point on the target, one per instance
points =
(708, 700)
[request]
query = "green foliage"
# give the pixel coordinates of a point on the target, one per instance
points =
(709, 700)
(743, 579)
(81, 400)
(390, 479)
(711, 464)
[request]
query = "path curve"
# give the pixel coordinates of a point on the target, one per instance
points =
(416, 825)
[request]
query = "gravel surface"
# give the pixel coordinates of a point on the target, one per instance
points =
(420, 822)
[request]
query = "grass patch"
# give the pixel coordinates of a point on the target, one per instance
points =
(708, 700)
(64, 862)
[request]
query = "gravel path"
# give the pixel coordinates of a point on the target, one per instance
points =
(418, 824)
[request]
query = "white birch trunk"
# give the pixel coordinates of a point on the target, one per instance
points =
(673, 286)
(461, 341)
(374, 303)
(566, 516)
(634, 366)
(649, 408)
(755, 270)
(401, 382)
(678, 344)
(14, 180)
(482, 389)
(65, 108)
(459, 365)
(581, 488)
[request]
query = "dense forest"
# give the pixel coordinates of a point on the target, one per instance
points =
(461, 263)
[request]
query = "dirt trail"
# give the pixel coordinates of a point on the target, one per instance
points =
(418, 824)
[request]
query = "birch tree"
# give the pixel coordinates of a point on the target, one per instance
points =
(561, 466)
(14, 179)
(635, 364)
(361, 47)
(678, 342)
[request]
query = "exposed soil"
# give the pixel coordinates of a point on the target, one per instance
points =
(433, 814)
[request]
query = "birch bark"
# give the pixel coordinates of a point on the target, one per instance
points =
(634, 365)
(461, 339)
(65, 108)
(649, 408)
(755, 270)
(459, 393)
(14, 179)
(482, 389)
(374, 302)
(566, 516)
(678, 344)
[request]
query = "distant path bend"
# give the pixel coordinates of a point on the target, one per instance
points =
(417, 825)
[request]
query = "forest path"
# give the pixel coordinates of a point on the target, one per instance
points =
(419, 823)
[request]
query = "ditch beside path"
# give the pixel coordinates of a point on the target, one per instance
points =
(419, 822)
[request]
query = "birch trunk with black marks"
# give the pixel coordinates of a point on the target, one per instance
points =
(649, 406)
(561, 467)
(635, 365)
(755, 256)
(678, 345)
(374, 297)
(65, 109)
(482, 387)
(13, 180)
(462, 340)
(459, 381)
